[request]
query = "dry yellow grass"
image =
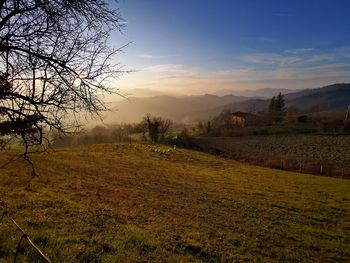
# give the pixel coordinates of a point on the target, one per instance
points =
(126, 202)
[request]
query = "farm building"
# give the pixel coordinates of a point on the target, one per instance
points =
(240, 118)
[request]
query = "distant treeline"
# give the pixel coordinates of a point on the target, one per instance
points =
(277, 119)
(98, 134)
(151, 128)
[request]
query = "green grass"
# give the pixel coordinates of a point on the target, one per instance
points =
(129, 203)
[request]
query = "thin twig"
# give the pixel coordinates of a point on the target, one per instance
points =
(25, 236)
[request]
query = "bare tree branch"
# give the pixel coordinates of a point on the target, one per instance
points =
(55, 62)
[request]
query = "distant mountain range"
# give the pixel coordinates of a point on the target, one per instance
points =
(332, 97)
(146, 93)
(176, 108)
(261, 93)
(192, 108)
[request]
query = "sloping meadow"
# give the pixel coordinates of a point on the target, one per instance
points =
(139, 202)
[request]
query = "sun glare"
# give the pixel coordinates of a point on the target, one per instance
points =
(80, 77)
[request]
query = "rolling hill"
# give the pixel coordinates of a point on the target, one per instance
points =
(328, 98)
(333, 97)
(261, 93)
(189, 109)
(143, 203)
(175, 108)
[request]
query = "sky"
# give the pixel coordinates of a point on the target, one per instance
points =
(198, 46)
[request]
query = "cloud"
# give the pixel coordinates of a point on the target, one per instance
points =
(176, 78)
(343, 51)
(145, 56)
(303, 57)
(270, 59)
(251, 78)
(299, 50)
(321, 57)
(163, 71)
(305, 67)
(165, 68)
(249, 74)
(150, 56)
(179, 75)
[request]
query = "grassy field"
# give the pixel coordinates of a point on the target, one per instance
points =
(133, 203)
(290, 152)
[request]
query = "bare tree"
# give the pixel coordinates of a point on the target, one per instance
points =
(142, 127)
(164, 126)
(156, 126)
(55, 62)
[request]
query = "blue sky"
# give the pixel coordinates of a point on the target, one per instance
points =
(202, 46)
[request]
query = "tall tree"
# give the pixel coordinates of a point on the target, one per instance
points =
(55, 62)
(272, 104)
(277, 109)
(280, 108)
